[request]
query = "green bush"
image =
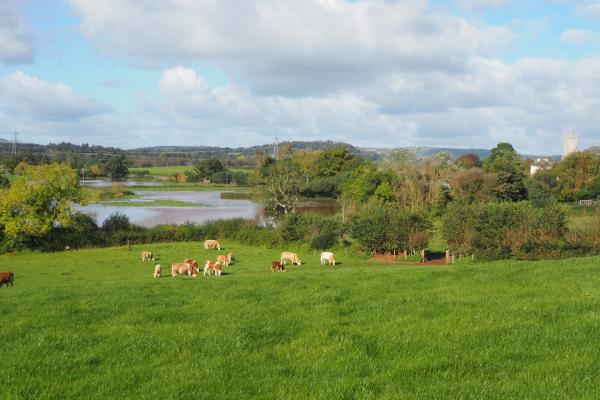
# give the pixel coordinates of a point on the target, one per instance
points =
(384, 228)
(501, 230)
(116, 222)
(324, 241)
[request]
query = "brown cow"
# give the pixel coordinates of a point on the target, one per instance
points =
(6, 278)
(277, 266)
(182, 268)
(212, 244)
(289, 256)
(212, 267)
(147, 256)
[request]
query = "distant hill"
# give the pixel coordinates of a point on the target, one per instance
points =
(3, 140)
(424, 152)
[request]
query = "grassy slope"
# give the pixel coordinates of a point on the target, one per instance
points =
(95, 324)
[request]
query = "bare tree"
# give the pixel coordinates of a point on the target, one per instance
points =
(280, 191)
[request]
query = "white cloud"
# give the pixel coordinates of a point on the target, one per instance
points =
(16, 41)
(290, 47)
(578, 36)
(590, 8)
(30, 97)
(481, 4)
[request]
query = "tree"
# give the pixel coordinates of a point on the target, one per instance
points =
(541, 188)
(578, 176)
(280, 190)
(333, 161)
(38, 200)
(473, 184)
(206, 169)
(116, 167)
(468, 161)
(364, 182)
(510, 171)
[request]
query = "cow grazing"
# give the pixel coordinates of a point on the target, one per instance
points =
(211, 267)
(327, 257)
(223, 260)
(277, 266)
(182, 268)
(157, 271)
(230, 259)
(147, 256)
(211, 245)
(6, 278)
(193, 262)
(291, 257)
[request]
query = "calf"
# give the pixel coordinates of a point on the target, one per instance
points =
(212, 244)
(182, 268)
(6, 278)
(277, 266)
(327, 257)
(147, 256)
(157, 271)
(212, 267)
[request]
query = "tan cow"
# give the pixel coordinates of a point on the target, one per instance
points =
(223, 260)
(147, 256)
(182, 268)
(157, 271)
(230, 259)
(291, 257)
(211, 245)
(211, 267)
(327, 257)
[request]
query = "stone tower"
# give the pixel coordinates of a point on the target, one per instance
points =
(570, 143)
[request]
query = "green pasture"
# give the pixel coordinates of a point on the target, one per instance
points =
(163, 171)
(95, 324)
(177, 169)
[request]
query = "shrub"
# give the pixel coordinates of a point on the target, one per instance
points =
(324, 241)
(383, 228)
(116, 222)
(501, 230)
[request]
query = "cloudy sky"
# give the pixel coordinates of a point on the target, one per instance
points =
(458, 73)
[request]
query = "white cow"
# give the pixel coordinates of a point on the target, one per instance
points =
(327, 257)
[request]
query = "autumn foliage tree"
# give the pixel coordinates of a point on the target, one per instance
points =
(39, 199)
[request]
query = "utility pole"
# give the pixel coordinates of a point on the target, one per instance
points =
(14, 148)
(276, 148)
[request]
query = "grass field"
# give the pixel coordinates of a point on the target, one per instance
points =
(95, 324)
(163, 171)
(178, 169)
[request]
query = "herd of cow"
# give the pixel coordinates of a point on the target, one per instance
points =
(191, 267)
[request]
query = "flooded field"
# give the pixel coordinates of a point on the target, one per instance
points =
(210, 207)
(196, 206)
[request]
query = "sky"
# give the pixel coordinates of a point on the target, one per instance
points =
(373, 73)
